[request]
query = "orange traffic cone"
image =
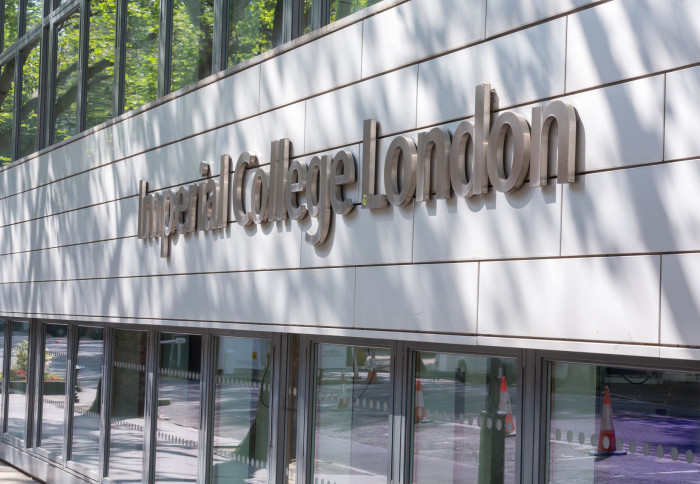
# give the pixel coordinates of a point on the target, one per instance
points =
(419, 405)
(343, 398)
(607, 444)
(372, 372)
(504, 406)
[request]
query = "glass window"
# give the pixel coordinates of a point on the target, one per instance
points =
(7, 105)
(88, 392)
(29, 110)
(128, 405)
(19, 374)
(352, 409)
(343, 8)
(179, 392)
(54, 393)
(10, 23)
(193, 31)
(66, 80)
(100, 62)
(610, 424)
(464, 418)
(142, 27)
(34, 13)
(242, 410)
(255, 26)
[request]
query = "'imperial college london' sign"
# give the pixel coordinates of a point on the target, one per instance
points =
(465, 165)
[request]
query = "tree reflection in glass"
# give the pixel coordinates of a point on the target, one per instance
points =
(142, 27)
(193, 31)
(29, 109)
(7, 104)
(66, 80)
(100, 62)
(10, 23)
(255, 26)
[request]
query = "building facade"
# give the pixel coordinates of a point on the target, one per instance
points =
(356, 241)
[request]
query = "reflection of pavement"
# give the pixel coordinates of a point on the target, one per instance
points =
(661, 441)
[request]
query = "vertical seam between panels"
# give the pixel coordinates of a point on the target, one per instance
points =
(561, 217)
(663, 133)
(478, 294)
(566, 49)
(661, 268)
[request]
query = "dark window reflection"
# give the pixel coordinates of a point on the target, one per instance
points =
(29, 110)
(87, 395)
(179, 392)
(255, 26)
(100, 62)
(142, 26)
(7, 105)
(291, 409)
(128, 404)
(66, 81)
(193, 30)
(54, 388)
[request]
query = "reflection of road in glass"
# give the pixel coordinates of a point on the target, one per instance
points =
(86, 417)
(53, 402)
(641, 427)
(177, 429)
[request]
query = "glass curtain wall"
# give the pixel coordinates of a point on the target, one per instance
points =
(352, 404)
(29, 108)
(7, 106)
(242, 404)
(193, 36)
(179, 394)
(128, 405)
(54, 392)
(464, 418)
(85, 447)
(20, 365)
(10, 24)
(255, 27)
(65, 107)
(609, 423)
(100, 63)
(141, 72)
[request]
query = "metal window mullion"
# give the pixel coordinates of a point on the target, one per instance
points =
(206, 416)
(83, 53)
(5, 371)
(118, 79)
(402, 382)
(165, 47)
(150, 410)
(305, 404)
(34, 431)
(106, 398)
(48, 100)
(220, 41)
(21, 18)
(71, 363)
(277, 436)
(14, 149)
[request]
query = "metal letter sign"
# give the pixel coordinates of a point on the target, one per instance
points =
(463, 164)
